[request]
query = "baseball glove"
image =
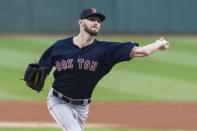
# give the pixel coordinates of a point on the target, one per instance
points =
(35, 76)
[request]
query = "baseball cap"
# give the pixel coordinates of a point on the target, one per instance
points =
(91, 12)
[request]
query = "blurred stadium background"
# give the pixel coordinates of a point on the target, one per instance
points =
(28, 27)
(128, 16)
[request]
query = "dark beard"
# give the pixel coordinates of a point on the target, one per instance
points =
(89, 31)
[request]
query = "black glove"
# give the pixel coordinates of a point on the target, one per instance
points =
(35, 76)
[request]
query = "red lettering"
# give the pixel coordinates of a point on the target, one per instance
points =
(93, 66)
(58, 66)
(64, 64)
(70, 63)
(80, 61)
(87, 64)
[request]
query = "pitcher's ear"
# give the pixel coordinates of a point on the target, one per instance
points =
(80, 21)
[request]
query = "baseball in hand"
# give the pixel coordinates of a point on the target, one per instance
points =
(164, 44)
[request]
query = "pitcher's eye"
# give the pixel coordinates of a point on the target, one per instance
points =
(94, 19)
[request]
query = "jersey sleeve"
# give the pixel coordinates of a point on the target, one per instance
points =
(118, 52)
(46, 59)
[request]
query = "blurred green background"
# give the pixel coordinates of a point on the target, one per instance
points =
(164, 76)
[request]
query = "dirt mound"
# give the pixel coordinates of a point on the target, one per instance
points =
(114, 114)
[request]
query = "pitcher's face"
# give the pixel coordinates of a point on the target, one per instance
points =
(91, 25)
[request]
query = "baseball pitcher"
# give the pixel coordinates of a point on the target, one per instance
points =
(80, 62)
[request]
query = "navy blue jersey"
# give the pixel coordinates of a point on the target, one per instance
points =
(78, 70)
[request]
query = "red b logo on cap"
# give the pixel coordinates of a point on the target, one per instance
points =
(93, 10)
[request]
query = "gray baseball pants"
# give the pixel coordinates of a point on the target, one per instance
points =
(69, 117)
